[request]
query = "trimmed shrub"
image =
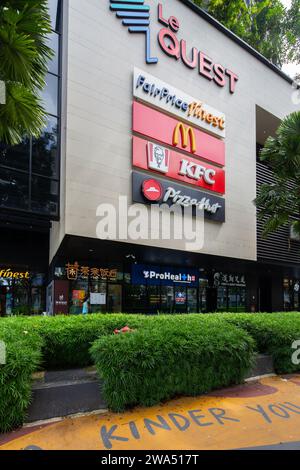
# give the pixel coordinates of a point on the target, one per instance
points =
(67, 340)
(185, 357)
(23, 356)
(274, 333)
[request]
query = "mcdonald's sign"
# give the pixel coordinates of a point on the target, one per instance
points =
(167, 130)
(187, 134)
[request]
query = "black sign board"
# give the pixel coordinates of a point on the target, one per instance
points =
(148, 189)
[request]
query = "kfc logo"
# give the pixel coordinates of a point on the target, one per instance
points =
(158, 158)
(196, 172)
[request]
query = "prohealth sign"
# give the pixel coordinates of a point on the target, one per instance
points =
(151, 90)
(156, 276)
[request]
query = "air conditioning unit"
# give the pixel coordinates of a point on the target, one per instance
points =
(294, 235)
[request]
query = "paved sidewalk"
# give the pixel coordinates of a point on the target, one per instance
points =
(256, 414)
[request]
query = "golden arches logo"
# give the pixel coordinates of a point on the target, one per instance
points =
(187, 134)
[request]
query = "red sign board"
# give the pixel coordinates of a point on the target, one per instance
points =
(170, 131)
(180, 167)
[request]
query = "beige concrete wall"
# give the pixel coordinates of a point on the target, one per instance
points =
(101, 58)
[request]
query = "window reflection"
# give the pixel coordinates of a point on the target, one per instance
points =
(44, 195)
(14, 191)
(44, 150)
(17, 156)
(20, 165)
(50, 95)
(53, 43)
(54, 11)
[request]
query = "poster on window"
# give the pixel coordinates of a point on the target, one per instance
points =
(98, 299)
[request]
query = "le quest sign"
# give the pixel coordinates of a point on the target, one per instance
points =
(135, 15)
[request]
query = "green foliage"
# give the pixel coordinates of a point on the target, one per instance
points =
(24, 55)
(165, 356)
(266, 25)
(274, 334)
(165, 359)
(23, 356)
(276, 202)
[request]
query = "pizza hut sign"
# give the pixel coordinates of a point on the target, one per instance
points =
(155, 190)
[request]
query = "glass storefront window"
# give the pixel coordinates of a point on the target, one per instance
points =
(135, 298)
(241, 300)
(167, 299)
(192, 300)
(154, 298)
(22, 296)
(98, 297)
(180, 299)
(291, 293)
(79, 292)
(114, 298)
(222, 299)
(203, 285)
(231, 299)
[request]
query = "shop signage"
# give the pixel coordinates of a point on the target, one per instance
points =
(155, 157)
(75, 271)
(162, 95)
(61, 297)
(135, 15)
(167, 130)
(180, 298)
(155, 190)
(155, 275)
(10, 274)
(230, 280)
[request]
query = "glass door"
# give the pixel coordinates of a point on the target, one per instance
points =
(180, 299)
(167, 299)
(192, 300)
(114, 298)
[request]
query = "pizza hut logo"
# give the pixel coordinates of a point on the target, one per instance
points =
(158, 158)
(152, 190)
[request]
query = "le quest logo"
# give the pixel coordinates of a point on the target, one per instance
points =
(136, 16)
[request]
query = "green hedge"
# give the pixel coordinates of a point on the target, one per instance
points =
(201, 344)
(160, 361)
(274, 333)
(23, 356)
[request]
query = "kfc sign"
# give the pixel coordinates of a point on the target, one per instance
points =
(177, 166)
(167, 130)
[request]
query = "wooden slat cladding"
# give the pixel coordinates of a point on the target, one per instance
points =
(277, 246)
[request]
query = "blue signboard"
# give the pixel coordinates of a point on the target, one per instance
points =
(159, 275)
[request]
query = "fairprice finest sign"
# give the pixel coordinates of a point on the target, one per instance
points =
(152, 190)
(150, 89)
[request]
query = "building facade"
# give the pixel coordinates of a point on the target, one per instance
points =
(151, 103)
